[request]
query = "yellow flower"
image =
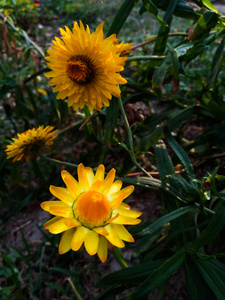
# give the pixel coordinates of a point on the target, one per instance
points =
(91, 211)
(85, 67)
(30, 143)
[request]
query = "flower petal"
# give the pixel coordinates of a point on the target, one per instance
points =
(65, 242)
(113, 238)
(126, 220)
(51, 222)
(71, 183)
(102, 249)
(107, 183)
(100, 173)
(62, 194)
(91, 242)
(72, 222)
(82, 178)
(58, 226)
(79, 237)
(116, 186)
(122, 233)
(101, 230)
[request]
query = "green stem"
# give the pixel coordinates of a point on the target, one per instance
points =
(59, 162)
(146, 57)
(119, 257)
(130, 139)
(69, 127)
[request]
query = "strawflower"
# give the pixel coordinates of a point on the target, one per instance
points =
(86, 67)
(91, 212)
(31, 143)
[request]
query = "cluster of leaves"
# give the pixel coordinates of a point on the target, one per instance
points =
(182, 72)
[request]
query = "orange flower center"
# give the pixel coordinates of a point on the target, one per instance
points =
(92, 209)
(80, 69)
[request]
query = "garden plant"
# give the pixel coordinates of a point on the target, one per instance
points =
(112, 134)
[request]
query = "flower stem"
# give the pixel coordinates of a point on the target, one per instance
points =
(145, 57)
(119, 257)
(78, 296)
(59, 162)
(69, 127)
(130, 139)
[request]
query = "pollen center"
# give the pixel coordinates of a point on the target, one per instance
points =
(92, 209)
(81, 69)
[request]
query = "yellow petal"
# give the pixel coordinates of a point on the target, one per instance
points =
(65, 212)
(102, 249)
(113, 238)
(65, 242)
(79, 237)
(128, 190)
(107, 183)
(50, 222)
(71, 183)
(100, 173)
(91, 242)
(126, 220)
(82, 178)
(116, 186)
(72, 222)
(128, 212)
(90, 175)
(58, 227)
(62, 194)
(122, 233)
(101, 230)
(47, 204)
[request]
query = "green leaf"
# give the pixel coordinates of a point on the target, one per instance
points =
(216, 63)
(131, 275)
(204, 25)
(159, 277)
(164, 162)
(161, 42)
(150, 7)
(212, 278)
(121, 16)
(166, 219)
(215, 225)
(179, 152)
(195, 284)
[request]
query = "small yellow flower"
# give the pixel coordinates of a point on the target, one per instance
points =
(91, 211)
(30, 143)
(86, 67)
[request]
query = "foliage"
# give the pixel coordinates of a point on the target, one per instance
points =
(165, 135)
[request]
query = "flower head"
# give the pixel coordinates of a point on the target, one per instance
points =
(85, 67)
(91, 212)
(30, 143)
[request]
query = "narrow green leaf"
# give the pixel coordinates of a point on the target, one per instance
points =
(216, 62)
(161, 42)
(121, 16)
(159, 277)
(211, 277)
(131, 275)
(215, 225)
(195, 284)
(204, 25)
(180, 153)
(150, 7)
(166, 218)
(164, 162)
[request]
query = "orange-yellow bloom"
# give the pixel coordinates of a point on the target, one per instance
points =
(86, 67)
(31, 143)
(91, 212)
